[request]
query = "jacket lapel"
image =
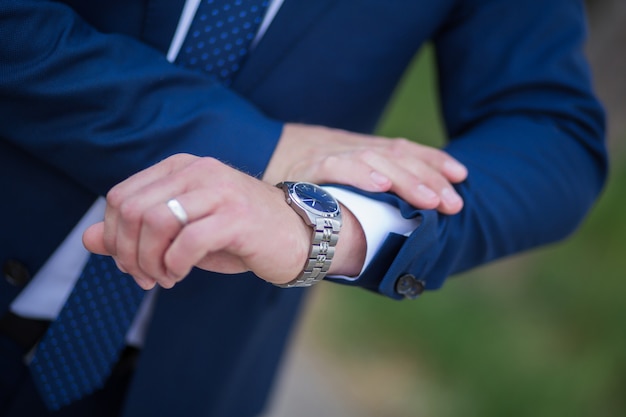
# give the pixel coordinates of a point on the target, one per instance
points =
(291, 23)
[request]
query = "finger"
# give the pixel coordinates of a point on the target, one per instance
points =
(163, 186)
(415, 185)
(446, 165)
(233, 236)
(130, 187)
(345, 168)
(160, 227)
(451, 201)
(146, 283)
(143, 281)
(153, 197)
(132, 217)
(94, 242)
(416, 180)
(413, 179)
(158, 230)
(197, 241)
(93, 239)
(420, 174)
(453, 170)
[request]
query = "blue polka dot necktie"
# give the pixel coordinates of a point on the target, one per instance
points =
(220, 35)
(80, 348)
(82, 345)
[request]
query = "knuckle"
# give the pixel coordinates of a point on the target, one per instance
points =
(400, 143)
(179, 160)
(400, 147)
(329, 163)
(439, 155)
(208, 162)
(203, 168)
(331, 160)
(115, 197)
(367, 154)
(200, 167)
(130, 211)
(180, 157)
(435, 156)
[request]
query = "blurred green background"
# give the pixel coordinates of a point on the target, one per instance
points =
(540, 334)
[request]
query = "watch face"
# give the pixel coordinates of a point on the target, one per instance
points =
(315, 197)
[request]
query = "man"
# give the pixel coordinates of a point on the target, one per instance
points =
(87, 98)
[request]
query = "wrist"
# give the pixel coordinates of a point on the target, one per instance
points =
(321, 213)
(351, 248)
(297, 243)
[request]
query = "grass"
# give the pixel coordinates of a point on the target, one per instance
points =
(541, 334)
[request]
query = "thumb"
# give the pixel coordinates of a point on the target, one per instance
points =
(93, 239)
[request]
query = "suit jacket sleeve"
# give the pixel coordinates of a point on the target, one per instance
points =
(518, 107)
(101, 107)
(516, 99)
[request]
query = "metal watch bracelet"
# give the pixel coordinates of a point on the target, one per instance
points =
(325, 237)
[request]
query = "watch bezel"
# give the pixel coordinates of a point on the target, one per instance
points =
(295, 197)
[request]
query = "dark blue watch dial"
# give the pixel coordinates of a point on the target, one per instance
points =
(315, 197)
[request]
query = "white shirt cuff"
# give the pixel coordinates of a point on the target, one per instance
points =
(377, 219)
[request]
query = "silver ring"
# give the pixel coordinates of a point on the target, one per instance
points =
(178, 211)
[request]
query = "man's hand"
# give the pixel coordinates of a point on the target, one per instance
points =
(236, 223)
(421, 175)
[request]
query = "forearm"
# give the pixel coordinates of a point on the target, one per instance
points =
(525, 189)
(522, 116)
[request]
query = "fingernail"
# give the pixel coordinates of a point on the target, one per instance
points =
(450, 196)
(426, 192)
(379, 178)
(455, 168)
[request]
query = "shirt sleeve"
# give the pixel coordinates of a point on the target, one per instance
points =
(377, 219)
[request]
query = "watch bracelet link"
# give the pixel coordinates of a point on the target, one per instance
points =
(325, 237)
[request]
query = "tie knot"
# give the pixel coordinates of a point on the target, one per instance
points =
(220, 36)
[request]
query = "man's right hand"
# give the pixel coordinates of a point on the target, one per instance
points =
(235, 223)
(421, 175)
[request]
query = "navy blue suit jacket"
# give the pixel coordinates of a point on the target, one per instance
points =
(87, 98)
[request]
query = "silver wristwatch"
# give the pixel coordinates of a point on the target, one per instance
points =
(321, 211)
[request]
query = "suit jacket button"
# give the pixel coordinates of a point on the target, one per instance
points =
(15, 273)
(409, 286)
